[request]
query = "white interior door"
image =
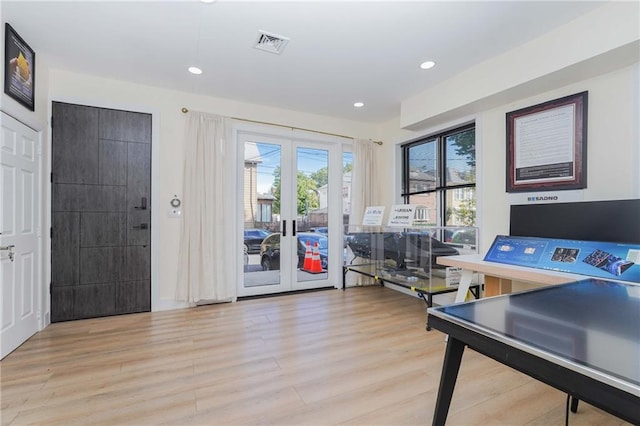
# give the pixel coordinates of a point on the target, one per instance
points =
(287, 187)
(20, 152)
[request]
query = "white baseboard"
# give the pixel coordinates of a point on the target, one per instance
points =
(168, 305)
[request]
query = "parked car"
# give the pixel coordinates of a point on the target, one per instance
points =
(253, 237)
(270, 249)
(399, 246)
(320, 229)
(464, 237)
(325, 231)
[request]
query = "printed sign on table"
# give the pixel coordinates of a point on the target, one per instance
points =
(373, 216)
(402, 215)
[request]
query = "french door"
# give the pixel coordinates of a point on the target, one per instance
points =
(291, 201)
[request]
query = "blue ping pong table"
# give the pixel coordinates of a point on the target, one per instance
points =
(582, 338)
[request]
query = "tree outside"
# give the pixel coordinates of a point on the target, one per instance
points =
(466, 213)
(307, 195)
(307, 188)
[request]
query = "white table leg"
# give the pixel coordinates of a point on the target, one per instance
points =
(463, 287)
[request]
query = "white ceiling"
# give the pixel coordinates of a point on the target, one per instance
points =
(340, 51)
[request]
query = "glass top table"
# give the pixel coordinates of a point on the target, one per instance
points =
(426, 284)
(588, 329)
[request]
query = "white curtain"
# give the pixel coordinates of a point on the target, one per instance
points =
(363, 180)
(363, 190)
(206, 269)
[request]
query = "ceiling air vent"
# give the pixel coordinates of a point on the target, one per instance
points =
(270, 42)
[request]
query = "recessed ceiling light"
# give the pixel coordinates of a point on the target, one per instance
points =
(427, 65)
(358, 104)
(195, 70)
(208, 1)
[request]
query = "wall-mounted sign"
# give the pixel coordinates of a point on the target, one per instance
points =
(547, 146)
(373, 216)
(19, 68)
(546, 197)
(402, 215)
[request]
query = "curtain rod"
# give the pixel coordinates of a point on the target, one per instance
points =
(186, 110)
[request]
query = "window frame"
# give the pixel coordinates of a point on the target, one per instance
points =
(442, 187)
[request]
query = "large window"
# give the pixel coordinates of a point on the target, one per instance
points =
(439, 174)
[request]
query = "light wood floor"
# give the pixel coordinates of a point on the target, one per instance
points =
(360, 357)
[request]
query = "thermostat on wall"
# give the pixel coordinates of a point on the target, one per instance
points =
(175, 211)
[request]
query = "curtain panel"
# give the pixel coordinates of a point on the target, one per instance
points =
(363, 190)
(363, 180)
(206, 268)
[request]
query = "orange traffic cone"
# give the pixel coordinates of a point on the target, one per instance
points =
(308, 257)
(316, 265)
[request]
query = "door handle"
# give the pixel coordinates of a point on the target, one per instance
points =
(143, 204)
(284, 228)
(10, 249)
(141, 226)
(294, 228)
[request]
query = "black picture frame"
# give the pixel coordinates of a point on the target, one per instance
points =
(547, 145)
(19, 69)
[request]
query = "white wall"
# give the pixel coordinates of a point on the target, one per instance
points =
(598, 42)
(167, 157)
(388, 161)
(612, 145)
(598, 52)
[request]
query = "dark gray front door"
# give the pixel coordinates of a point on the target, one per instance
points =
(101, 212)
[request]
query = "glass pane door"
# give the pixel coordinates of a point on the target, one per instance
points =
(288, 218)
(262, 179)
(312, 212)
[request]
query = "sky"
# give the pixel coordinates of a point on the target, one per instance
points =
(309, 161)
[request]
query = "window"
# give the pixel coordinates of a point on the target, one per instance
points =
(264, 213)
(439, 174)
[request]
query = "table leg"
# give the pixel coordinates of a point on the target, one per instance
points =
(574, 404)
(494, 286)
(450, 368)
(429, 304)
(463, 288)
(344, 278)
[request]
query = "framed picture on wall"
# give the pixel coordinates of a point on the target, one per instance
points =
(19, 68)
(547, 146)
